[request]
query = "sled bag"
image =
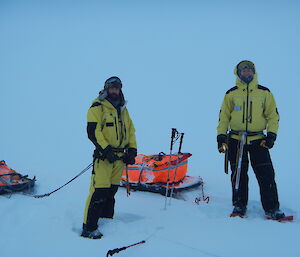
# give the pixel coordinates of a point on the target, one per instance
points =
(155, 168)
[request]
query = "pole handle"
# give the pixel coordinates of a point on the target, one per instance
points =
(117, 250)
(180, 144)
(174, 133)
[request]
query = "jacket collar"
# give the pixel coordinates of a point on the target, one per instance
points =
(102, 99)
(241, 84)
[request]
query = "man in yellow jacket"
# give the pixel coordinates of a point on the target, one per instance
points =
(251, 108)
(111, 130)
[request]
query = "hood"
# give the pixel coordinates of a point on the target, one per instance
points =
(102, 98)
(241, 84)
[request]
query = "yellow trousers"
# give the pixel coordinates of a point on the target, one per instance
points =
(105, 177)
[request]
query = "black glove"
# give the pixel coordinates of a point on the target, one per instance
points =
(222, 143)
(109, 154)
(269, 140)
(129, 157)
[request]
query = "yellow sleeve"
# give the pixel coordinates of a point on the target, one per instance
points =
(94, 115)
(224, 116)
(271, 113)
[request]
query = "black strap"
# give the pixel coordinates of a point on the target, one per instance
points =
(99, 156)
(119, 150)
(249, 134)
(14, 174)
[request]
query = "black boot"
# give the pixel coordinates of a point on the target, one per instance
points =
(95, 234)
(275, 214)
(239, 211)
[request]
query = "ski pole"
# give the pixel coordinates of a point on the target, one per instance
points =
(205, 199)
(180, 144)
(177, 161)
(112, 252)
(226, 156)
(174, 132)
(239, 161)
(83, 171)
(127, 182)
(141, 172)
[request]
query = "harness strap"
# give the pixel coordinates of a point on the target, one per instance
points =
(119, 150)
(249, 134)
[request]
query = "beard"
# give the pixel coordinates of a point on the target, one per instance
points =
(247, 79)
(114, 96)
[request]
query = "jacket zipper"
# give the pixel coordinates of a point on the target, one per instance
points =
(251, 110)
(121, 126)
(247, 117)
(125, 131)
(244, 103)
(116, 128)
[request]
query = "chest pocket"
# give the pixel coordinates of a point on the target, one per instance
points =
(258, 103)
(107, 119)
(238, 103)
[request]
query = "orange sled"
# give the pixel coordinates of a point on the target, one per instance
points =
(152, 173)
(11, 181)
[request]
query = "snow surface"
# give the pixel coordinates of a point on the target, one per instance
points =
(176, 60)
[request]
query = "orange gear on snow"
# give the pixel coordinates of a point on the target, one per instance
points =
(155, 168)
(11, 181)
(7, 174)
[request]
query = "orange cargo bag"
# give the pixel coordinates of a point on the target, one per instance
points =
(157, 168)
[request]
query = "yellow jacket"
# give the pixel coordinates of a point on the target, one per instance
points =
(250, 108)
(107, 127)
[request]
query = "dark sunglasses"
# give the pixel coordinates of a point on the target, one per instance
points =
(113, 82)
(245, 65)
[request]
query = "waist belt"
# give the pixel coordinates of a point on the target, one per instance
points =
(99, 154)
(249, 134)
(119, 150)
